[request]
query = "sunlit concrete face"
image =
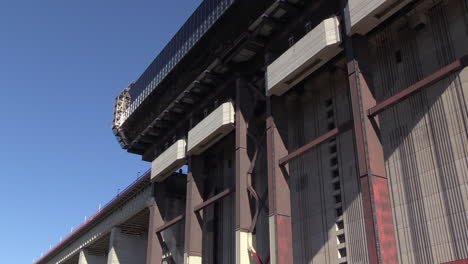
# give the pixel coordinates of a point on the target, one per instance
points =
(192, 259)
(126, 248)
(86, 257)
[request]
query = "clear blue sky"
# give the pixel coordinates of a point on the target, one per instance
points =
(61, 65)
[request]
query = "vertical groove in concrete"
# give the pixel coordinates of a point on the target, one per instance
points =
(424, 137)
(219, 219)
(314, 209)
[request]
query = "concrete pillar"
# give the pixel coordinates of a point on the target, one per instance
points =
(243, 210)
(278, 188)
(380, 230)
(127, 249)
(86, 257)
(193, 229)
(154, 252)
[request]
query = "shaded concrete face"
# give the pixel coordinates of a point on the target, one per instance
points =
(260, 241)
(425, 136)
(87, 257)
(218, 219)
(326, 204)
(252, 238)
(127, 248)
(170, 199)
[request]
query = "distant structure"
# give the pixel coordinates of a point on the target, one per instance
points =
(122, 105)
(313, 132)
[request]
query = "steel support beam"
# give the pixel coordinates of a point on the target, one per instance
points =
(170, 223)
(330, 134)
(154, 253)
(242, 179)
(461, 261)
(211, 200)
(193, 229)
(432, 78)
(380, 230)
(279, 199)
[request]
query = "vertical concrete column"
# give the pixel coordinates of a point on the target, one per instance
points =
(86, 257)
(154, 252)
(278, 188)
(380, 230)
(127, 249)
(243, 212)
(193, 228)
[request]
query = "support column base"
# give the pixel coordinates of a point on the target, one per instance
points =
(280, 239)
(192, 259)
(243, 247)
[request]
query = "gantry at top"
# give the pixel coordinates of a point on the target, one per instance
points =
(224, 40)
(218, 35)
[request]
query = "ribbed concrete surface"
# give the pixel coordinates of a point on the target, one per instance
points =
(364, 15)
(211, 129)
(171, 203)
(308, 54)
(218, 219)
(327, 217)
(425, 137)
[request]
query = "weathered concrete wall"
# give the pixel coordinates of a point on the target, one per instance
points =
(131, 208)
(170, 199)
(87, 258)
(219, 220)
(326, 204)
(126, 248)
(425, 137)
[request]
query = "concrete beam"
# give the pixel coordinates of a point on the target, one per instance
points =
(86, 257)
(127, 249)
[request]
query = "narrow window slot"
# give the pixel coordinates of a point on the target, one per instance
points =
(342, 252)
(336, 186)
(334, 161)
(340, 225)
(337, 199)
(341, 239)
(339, 212)
(335, 174)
